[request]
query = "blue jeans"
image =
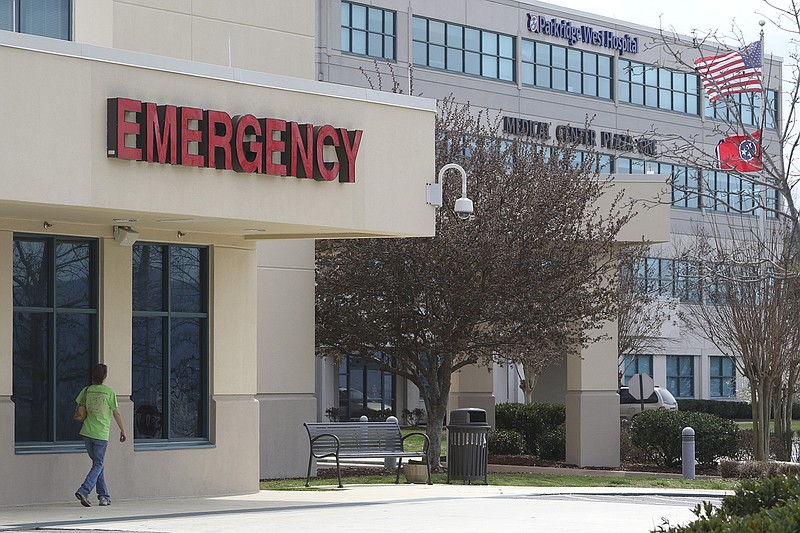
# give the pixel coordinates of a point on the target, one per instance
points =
(97, 452)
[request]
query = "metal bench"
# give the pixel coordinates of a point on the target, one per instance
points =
(346, 440)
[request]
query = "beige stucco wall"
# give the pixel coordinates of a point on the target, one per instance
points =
(286, 357)
(228, 465)
(239, 33)
(60, 173)
(393, 164)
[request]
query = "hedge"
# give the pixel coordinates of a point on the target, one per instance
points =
(658, 433)
(734, 410)
(535, 421)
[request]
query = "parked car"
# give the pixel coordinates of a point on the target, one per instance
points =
(660, 399)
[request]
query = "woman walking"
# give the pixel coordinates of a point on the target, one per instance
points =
(100, 402)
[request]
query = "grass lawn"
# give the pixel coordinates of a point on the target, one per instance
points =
(748, 424)
(414, 444)
(520, 480)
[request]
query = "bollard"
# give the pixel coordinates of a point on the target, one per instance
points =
(390, 462)
(687, 455)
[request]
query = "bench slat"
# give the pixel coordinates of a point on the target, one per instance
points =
(359, 439)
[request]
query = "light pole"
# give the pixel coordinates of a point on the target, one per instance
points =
(433, 192)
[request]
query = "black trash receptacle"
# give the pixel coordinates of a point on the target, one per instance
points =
(467, 445)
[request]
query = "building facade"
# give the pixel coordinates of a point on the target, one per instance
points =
(166, 167)
(547, 70)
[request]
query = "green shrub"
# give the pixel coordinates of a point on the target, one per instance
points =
(767, 505)
(734, 410)
(658, 434)
(553, 445)
(506, 442)
(722, 408)
(533, 421)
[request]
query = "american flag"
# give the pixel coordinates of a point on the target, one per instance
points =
(734, 72)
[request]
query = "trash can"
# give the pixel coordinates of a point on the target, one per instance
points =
(467, 445)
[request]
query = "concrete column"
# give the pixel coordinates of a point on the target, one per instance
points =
(472, 386)
(592, 403)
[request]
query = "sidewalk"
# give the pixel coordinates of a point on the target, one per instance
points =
(402, 507)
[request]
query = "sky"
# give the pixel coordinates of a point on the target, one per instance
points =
(688, 15)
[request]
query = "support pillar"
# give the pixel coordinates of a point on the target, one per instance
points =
(592, 403)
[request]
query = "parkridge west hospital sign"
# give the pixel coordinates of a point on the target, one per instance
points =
(564, 29)
(190, 136)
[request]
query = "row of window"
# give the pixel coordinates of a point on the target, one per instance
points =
(681, 376)
(442, 45)
(717, 190)
(55, 338)
(689, 281)
(48, 18)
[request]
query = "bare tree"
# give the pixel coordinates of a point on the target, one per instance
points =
(750, 262)
(641, 314)
(749, 310)
(527, 277)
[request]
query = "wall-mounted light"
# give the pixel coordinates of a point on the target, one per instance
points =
(125, 236)
(433, 192)
(47, 225)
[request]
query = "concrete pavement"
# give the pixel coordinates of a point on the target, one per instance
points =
(402, 507)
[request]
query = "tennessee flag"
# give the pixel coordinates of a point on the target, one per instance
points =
(740, 152)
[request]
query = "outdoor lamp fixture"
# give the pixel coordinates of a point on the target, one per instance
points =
(433, 192)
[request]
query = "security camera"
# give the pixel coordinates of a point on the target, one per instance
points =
(463, 208)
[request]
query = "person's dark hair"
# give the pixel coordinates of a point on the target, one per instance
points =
(99, 373)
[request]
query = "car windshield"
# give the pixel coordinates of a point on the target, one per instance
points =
(667, 397)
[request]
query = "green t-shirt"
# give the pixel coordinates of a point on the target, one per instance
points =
(100, 404)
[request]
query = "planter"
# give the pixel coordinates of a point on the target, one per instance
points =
(415, 472)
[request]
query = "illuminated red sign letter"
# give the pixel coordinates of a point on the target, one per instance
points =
(118, 128)
(191, 135)
(249, 156)
(272, 145)
(351, 141)
(324, 171)
(161, 133)
(218, 133)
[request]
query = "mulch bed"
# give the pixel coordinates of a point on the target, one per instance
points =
(521, 460)
(530, 460)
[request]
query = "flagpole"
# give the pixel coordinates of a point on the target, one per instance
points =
(762, 217)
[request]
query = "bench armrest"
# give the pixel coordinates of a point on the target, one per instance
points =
(425, 446)
(336, 442)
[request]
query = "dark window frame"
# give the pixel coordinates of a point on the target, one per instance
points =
(168, 316)
(53, 310)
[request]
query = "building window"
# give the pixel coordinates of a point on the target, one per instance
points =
(654, 276)
(368, 31)
(365, 389)
(457, 48)
(566, 69)
(658, 87)
(636, 364)
(48, 18)
(745, 107)
(55, 282)
(170, 342)
(723, 377)
(680, 375)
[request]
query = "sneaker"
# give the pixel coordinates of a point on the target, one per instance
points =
(84, 501)
(105, 501)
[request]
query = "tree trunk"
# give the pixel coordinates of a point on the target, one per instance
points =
(761, 398)
(529, 383)
(436, 414)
